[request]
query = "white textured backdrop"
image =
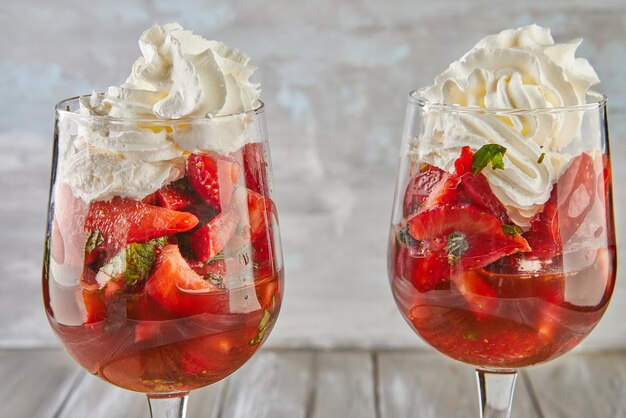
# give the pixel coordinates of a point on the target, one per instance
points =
(335, 77)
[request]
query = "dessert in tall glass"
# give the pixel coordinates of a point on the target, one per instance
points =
(502, 247)
(163, 267)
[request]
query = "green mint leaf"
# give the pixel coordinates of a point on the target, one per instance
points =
(541, 157)
(457, 246)
(217, 257)
(405, 238)
(489, 153)
(140, 258)
(216, 280)
(161, 242)
(94, 239)
(264, 326)
(510, 230)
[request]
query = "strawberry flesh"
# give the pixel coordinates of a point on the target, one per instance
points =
(213, 178)
(126, 220)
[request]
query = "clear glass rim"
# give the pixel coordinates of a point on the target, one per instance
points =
(61, 110)
(416, 98)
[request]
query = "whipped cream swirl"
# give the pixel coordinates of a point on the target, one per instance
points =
(183, 75)
(516, 69)
(179, 75)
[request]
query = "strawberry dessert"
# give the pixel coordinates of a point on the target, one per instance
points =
(502, 252)
(163, 267)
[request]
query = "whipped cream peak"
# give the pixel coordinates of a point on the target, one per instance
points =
(181, 74)
(516, 69)
(117, 151)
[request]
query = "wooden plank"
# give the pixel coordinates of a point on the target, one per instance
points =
(35, 382)
(588, 386)
(344, 385)
(95, 398)
(207, 402)
(273, 384)
(427, 385)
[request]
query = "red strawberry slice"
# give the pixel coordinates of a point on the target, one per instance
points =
(463, 164)
(443, 220)
(126, 220)
(483, 250)
(143, 307)
(213, 177)
(576, 194)
(260, 209)
(95, 306)
(213, 357)
(476, 190)
(420, 187)
(445, 192)
(173, 197)
(255, 167)
(478, 293)
(544, 237)
(211, 238)
(426, 265)
(572, 198)
(483, 234)
(180, 290)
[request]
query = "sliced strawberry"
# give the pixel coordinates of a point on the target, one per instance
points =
(425, 265)
(576, 194)
(151, 199)
(213, 177)
(446, 191)
(211, 238)
(214, 356)
(478, 293)
(496, 342)
(259, 212)
(142, 307)
(463, 164)
(255, 167)
(571, 200)
(544, 237)
(95, 306)
(268, 293)
(126, 220)
(443, 220)
(181, 290)
(419, 188)
(263, 255)
(173, 197)
(484, 239)
(475, 189)
(483, 250)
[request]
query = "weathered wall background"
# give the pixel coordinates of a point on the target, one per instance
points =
(335, 76)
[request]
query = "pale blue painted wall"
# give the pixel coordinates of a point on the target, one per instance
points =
(335, 76)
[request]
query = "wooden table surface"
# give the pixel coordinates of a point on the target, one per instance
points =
(323, 384)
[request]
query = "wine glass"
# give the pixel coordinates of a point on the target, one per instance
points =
(480, 279)
(163, 270)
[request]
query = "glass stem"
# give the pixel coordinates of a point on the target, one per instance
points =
(495, 392)
(168, 407)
